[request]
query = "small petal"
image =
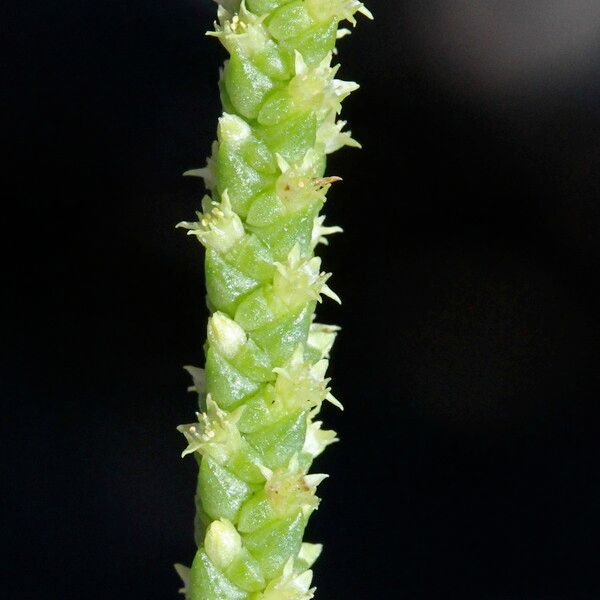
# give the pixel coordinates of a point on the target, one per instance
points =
(321, 337)
(327, 291)
(198, 377)
(184, 574)
(208, 173)
(331, 135)
(309, 553)
(230, 5)
(320, 232)
(334, 401)
(317, 439)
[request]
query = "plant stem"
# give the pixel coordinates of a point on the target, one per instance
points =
(264, 381)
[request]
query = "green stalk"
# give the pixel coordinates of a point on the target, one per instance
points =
(264, 380)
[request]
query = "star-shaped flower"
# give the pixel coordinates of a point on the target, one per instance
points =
(215, 434)
(289, 585)
(299, 280)
(290, 489)
(302, 385)
(218, 227)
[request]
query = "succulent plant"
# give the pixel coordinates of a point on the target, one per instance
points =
(264, 381)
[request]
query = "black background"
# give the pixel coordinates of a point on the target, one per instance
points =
(468, 466)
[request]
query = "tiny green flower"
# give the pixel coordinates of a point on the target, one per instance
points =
(301, 384)
(218, 227)
(317, 439)
(299, 280)
(289, 585)
(215, 434)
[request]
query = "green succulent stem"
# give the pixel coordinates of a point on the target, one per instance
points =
(264, 380)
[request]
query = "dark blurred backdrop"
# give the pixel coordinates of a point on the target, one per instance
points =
(469, 270)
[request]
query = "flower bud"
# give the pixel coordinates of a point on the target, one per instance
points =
(225, 335)
(222, 543)
(233, 130)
